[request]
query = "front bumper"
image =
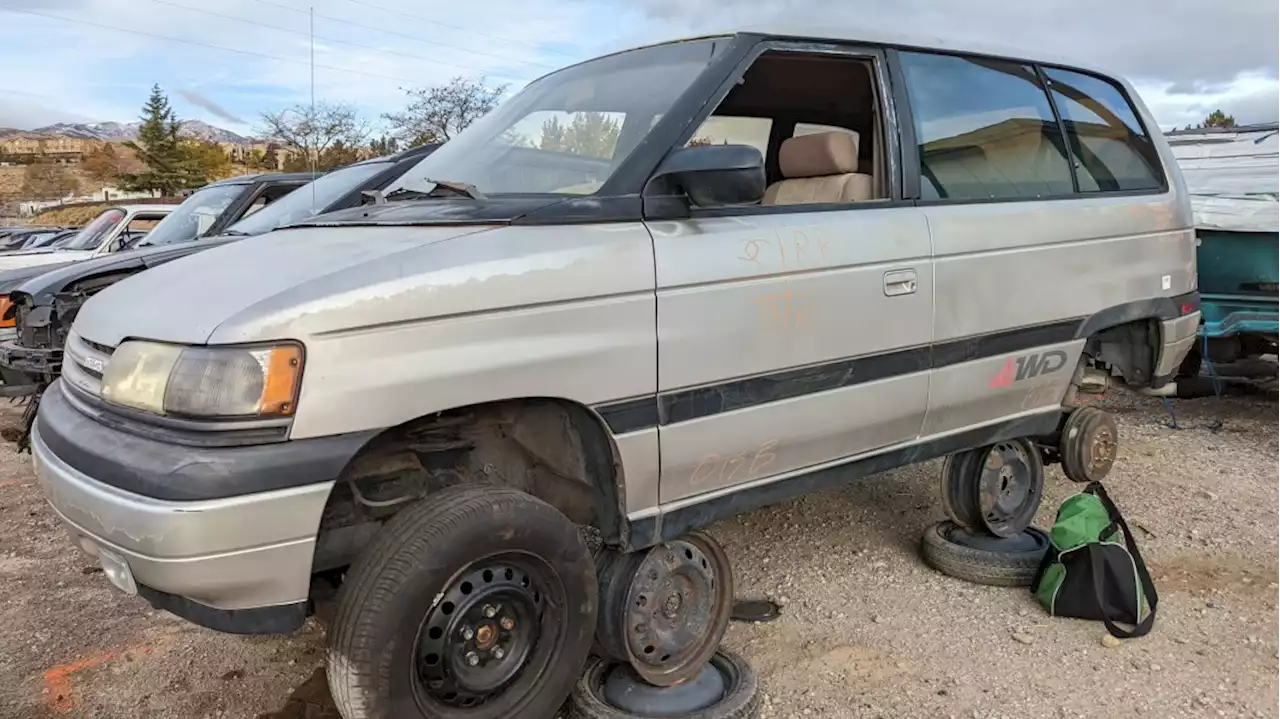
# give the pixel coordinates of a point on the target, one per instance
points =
(236, 563)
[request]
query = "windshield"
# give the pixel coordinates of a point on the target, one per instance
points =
(308, 200)
(95, 232)
(40, 239)
(194, 216)
(566, 133)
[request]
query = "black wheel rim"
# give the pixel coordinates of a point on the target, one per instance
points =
(492, 628)
(1009, 484)
(959, 490)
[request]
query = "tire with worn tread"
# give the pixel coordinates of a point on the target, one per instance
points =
(741, 700)
(982, 566)
(403, 572)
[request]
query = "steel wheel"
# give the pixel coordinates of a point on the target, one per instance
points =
(1010, 485)
(665, 611)
(480, 636)
(959, 495)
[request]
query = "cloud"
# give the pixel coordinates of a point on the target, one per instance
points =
(1171, 40)
(212, 107)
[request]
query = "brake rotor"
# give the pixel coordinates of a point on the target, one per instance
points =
(1010, 485)
(667, 608)
(1089, 443)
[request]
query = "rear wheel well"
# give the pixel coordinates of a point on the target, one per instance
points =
(556, 450)
(1129, 350)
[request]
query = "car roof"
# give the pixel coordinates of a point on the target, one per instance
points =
(873, 36)
(266, 176)
(147, 208)
(420, 151)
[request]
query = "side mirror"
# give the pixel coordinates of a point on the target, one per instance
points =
(712, 175)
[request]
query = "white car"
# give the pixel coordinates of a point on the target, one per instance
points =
(115, 228)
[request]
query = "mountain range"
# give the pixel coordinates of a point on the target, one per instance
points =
(117, 131)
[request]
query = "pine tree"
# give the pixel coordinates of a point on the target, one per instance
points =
(170, 166)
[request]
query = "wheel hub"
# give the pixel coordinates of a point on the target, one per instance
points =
(477, 638)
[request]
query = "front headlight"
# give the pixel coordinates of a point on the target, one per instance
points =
(204, 381)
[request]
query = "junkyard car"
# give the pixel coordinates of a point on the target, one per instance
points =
(206, 211)
(114, 229)
(650, 291)
(41, 310)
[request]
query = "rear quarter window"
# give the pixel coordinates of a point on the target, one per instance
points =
(1111, 148)
(985, 130)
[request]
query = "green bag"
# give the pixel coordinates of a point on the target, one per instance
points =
(1089, 574)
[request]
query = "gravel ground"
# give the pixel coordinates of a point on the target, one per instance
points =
(867, 630)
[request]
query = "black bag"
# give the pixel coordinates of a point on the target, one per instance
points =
(1088, 574)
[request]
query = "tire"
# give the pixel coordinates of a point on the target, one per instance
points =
(373, 665)
(741, 699)
(996, 567)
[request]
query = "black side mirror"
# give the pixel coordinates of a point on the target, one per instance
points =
(712, 175)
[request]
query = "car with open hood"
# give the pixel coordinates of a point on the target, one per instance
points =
(649, 291)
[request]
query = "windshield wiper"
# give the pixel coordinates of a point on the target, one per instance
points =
(441, 189)
(233, 233)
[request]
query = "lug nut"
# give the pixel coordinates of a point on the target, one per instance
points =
(498, 653)
(508, 623)
(490, 611)
(468, 633)
(473, 659)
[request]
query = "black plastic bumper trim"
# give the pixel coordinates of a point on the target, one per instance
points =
(181, 473)
(280, 619)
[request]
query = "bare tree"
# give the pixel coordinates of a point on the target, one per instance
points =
(312, 132)
(437, 114)
(46, 181)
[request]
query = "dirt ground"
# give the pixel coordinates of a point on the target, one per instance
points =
(867, 630)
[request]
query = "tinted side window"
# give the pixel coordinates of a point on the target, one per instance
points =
(1111, 149)
(985, 128)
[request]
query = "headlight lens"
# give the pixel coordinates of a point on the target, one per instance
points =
(204, 381)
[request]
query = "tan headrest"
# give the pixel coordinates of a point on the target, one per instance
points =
(823, 153)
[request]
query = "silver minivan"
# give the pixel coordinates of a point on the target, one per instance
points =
(650, 291)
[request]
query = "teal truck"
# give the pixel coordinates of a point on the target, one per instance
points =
(1232, 176)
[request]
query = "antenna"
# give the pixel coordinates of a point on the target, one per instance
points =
(312, 16)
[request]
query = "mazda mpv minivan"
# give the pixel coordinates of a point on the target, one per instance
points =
(650, 291)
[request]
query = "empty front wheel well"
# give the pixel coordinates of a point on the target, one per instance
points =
(556, 450)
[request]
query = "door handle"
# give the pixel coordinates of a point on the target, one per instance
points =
(899, 282)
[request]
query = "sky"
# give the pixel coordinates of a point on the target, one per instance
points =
(227, 62)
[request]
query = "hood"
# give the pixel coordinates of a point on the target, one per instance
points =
(12, 279)
(43, 283)
(184, 301)
(32, 251)
(15, 260)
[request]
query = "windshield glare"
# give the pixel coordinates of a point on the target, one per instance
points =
(195, 215)
(566, 133)
(308, 200)
(92, 235)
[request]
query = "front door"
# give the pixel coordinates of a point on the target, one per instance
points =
(797, 332)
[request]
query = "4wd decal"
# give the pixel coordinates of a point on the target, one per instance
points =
(1035, 364)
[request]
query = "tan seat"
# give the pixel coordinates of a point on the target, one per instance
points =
(819, 168)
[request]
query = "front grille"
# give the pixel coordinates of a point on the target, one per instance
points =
(83, 364)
